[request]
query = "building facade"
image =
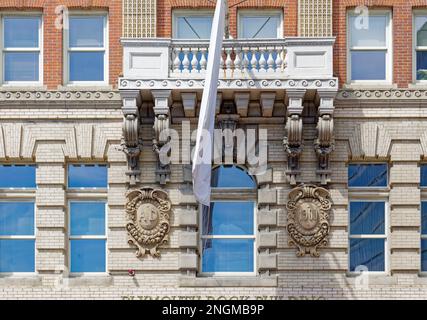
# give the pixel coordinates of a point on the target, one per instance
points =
(318, 189)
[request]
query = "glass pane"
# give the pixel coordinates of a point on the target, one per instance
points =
(421, 65)
(229, 218)
(87, 176)
(367, 217)
(256, 27)
(21, 32)
(367, 175)
(87, 218)
(86, 31)
(231, 177)
(368, 253)
(16, 218)
(421, 30)
(423, 181)
(423, 255)
(17, 176)
(21, 66)
(87, 66)
(17, 256)
(228, 255)
(371, 35)
(87, 255)
(424, 218)
(196, 27)
(368, 65)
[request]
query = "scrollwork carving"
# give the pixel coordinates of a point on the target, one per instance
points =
(148, 213)
(293, 145)
(308, 219)
(324, 145)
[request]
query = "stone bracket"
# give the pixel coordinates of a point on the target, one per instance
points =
(131, 143)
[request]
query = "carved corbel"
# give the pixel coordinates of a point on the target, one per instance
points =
(293, 141)
(161, 133)
(325, 142)
(131, 142)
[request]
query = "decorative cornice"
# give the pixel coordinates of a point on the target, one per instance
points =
(372, 94)
(239, 84)
(59, 96)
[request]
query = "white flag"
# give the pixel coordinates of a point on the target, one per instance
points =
(202, 158)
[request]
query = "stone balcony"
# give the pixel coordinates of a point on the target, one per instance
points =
(258, 64)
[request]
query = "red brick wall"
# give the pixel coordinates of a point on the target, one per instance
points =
(165, 7)
(53, 62)
(402, 35)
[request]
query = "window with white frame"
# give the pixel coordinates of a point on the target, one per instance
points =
(367, 217)
(260, 24)
(369, 47)
(87, 191)
(192, 24)
(420, 43)
(21, 43)
(228, 226)
(17, 219)
(86, 43)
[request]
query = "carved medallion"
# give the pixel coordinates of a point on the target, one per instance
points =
(308, 219)
(148, 212)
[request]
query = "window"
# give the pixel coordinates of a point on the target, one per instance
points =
(17, 176)
(87, 236)
(21, 49)
(228, 225)
(367, 217)
(424, 236)
(192, 24)
(420, 42)
(87, 176)
(369, 47)
(260, 25)
(17, 237)
(86, 49)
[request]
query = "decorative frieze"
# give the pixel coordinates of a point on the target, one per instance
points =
(67, 95)
(308, 219)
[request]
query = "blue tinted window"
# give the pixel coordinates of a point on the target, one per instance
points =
(15, 176)
(87, 218)
(196, 27)
(87, 255)
(424, 255)
(21, 66)
(231, 177)
(228, 255)
(87, 66)
(17, 255)
(423, 181)
(16, 218)
(368, 253)
(367, 218)
(259, 27)
(86, 31)
(367, 175)
(424, 218)
(368, 65)
(229, 218)
(21, 32)
(421, 65)
(87, 176)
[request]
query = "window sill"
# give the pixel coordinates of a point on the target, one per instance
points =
(418, 85)
(20, 280)
(23, 87)
(86, 87)
(186, 281)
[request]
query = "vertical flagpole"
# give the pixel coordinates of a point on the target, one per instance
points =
(202, 158)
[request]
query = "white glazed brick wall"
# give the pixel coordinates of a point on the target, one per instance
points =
(52, 137)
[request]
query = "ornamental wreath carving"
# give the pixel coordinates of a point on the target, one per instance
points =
(308, 219)
(148, 213)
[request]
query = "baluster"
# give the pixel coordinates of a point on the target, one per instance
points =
(228, 62)
(245, 62)
(285, 59)
(262, 62)
(270, 61)
(237, 60)
(186, 62)
(279, 60)
(194, 61)
(254, 61)
(203, 61)
(221, 62)
(177, 60)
